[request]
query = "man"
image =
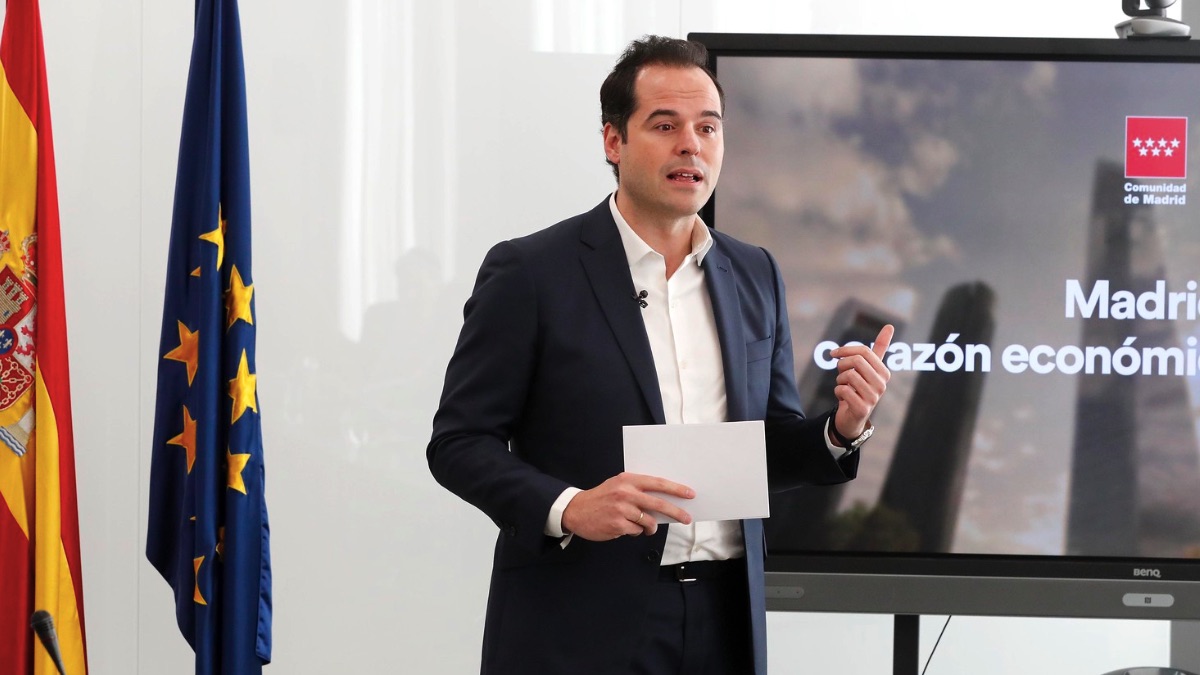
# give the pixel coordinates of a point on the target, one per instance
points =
(632, 313)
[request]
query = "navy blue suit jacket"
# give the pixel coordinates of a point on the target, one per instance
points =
(553, 360)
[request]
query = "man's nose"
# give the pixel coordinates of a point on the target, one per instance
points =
(689, 143)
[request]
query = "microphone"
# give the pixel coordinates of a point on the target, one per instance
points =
(640, 298)
(43, 625)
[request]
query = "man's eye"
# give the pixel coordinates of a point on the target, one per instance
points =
(665, 127)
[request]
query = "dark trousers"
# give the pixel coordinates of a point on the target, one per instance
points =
(698, 622)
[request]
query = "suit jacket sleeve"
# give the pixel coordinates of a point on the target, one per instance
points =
(797, 453)
(487, 381)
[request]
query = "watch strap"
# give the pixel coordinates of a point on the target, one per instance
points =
(850, 444)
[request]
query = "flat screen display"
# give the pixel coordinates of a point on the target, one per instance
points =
(1027, 214)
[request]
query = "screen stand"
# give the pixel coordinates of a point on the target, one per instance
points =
(906, 644)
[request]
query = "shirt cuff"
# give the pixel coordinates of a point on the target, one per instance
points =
(834, 450)
(554, 520)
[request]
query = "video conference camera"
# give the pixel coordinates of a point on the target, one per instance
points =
(1150, 22)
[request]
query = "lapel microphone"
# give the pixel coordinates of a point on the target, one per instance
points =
(640, 298)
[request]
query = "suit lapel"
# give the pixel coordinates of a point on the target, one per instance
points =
(607, 270)
(727, 310)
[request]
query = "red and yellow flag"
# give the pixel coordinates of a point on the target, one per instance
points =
(39, 522)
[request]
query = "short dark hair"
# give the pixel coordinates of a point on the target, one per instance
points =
(617, 98)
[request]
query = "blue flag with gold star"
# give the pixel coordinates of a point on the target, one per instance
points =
(208, 534)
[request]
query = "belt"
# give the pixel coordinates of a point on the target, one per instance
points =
(702, 570)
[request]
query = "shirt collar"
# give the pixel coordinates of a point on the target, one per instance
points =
(636, 249)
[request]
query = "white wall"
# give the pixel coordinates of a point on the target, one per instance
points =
(395, 135)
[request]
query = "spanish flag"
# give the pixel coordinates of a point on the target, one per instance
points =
(39, 522)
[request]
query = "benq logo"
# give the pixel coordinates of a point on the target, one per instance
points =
(1147, 572)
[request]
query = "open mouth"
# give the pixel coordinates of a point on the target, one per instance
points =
(685, 176)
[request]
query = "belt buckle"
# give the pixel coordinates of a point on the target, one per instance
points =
(681, 574)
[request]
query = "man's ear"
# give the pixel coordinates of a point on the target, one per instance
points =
(612, 143)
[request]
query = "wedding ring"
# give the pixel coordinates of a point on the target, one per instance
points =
(641, 514)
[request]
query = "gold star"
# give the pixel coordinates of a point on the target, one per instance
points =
(187, 352)
(236, 464)
(217, 237)
(242, 389)
(187, 439)
(221, 543)
(237, 300)
(196, 562)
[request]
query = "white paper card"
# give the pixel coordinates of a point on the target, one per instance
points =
(726, 464)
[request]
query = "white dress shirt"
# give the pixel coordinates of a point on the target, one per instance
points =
(687, 357)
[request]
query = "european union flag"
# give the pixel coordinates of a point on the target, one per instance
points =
(208, 532)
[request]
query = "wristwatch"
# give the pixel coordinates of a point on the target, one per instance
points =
(850, 444)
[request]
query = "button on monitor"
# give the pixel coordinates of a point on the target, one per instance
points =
(1148, 599)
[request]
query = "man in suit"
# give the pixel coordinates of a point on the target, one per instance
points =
(632, 313)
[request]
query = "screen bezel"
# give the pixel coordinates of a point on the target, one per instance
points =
(997, 585)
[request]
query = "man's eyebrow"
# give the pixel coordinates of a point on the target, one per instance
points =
(667, 112)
